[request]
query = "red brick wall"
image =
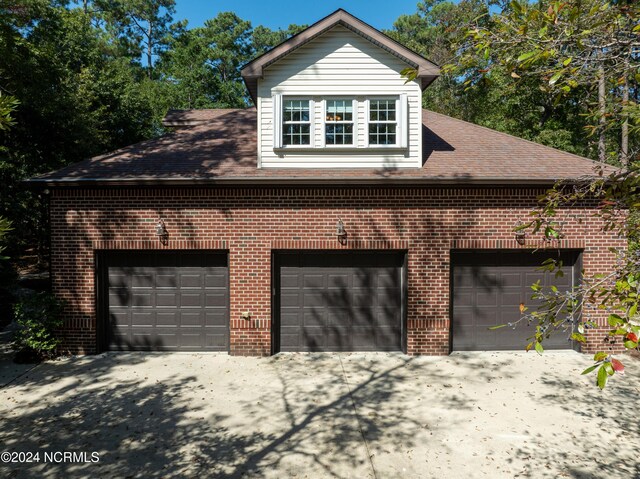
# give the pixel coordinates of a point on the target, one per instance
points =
(251, 222)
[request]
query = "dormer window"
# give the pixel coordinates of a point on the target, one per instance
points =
(305, 123)
(296, 124)
(383, 121)
(339, 121)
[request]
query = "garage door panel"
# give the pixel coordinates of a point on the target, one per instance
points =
(167, 300)
(338, 281)
(216, 317)
(511, 280)
(290, 299)
(119, 297)
(487, 298)
(365, 299)
(190, 299)
(142, 280)
(118, 280)
(290, 341)
(463, 298)
(314, 337)
(340, 298)
(363, 339)
(391, 297)
(365, 279)
(119, 318)
(338, 339)
(313, 280)
(563, 281)
(191, 319)
(290, 318)
(511, 299)
(385, 339)
(165, 281)
(289, 280)
(388, 317)
(314, 317)
(346, 301)
(191, 280)
(166, 318)
(163, 339)
(500, 280)
(388, 279)
(337, 316)
(216, 281)
(216, 340)
(216, 298)
(141, 298)
(363, 317)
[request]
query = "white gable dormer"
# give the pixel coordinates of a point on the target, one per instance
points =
(333, 97)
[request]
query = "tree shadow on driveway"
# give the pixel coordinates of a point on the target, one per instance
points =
(320, 415)
(183, 415)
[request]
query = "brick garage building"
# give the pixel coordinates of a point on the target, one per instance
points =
(192, 242)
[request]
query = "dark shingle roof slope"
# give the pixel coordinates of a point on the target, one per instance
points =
(222, 149)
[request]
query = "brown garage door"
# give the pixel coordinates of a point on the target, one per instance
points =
(487, 289)
(175, 301)
(331, 301)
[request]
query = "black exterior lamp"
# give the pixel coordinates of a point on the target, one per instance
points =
(341, 232)
(521, 234)
(161, 231)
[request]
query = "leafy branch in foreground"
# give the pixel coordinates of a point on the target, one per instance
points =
(615, 292)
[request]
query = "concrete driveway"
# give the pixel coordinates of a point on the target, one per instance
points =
(479, 415)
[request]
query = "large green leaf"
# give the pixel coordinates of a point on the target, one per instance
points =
(602, 377)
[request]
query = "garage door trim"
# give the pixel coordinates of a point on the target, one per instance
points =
(275, 288)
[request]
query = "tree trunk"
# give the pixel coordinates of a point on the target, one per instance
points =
(150, 49)
(624, 141)
(602, 103)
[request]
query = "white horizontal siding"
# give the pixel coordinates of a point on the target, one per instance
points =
(338, 63)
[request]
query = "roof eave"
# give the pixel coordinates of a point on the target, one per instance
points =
(252, 71)
(40, 183)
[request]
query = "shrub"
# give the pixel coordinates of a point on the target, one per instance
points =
(38, 316)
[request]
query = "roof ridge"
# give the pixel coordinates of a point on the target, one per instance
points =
(502, 133)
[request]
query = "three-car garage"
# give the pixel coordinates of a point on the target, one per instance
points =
(322, 300)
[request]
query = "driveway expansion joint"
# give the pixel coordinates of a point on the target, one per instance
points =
(355, 411)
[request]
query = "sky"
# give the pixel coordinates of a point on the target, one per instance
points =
(379, 14)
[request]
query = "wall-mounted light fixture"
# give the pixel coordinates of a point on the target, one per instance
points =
(161, 231)
(341, 232)
(521, 234)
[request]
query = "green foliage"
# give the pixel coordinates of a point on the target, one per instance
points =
(5, 228)
(38, 317)
(569, 47)
(7, 105)
(617, 291)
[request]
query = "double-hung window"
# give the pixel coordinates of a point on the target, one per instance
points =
(383, 122)
(339, 121)
(296, 122)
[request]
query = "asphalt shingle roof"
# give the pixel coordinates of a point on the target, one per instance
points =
(222, 148)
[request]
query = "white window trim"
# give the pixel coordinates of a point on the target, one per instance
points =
(278, 122)
(354, 116)
(317, 138)
(401, 121)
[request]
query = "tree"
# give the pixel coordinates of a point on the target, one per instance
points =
(144, 24)
(592, 46)
(479, 89)
(264, 39)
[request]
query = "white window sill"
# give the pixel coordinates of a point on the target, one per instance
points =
(340, 148)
